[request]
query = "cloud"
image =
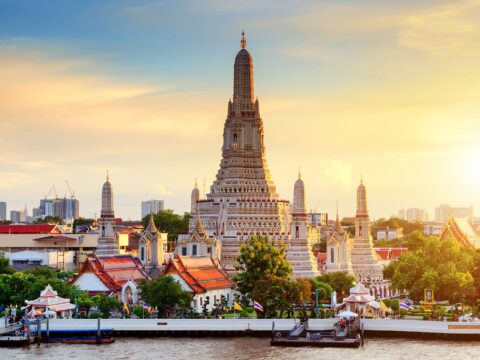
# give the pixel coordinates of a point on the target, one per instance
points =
(337, 173)
(162, 190)
(452, 29)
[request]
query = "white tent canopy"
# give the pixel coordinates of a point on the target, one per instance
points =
(347, 314)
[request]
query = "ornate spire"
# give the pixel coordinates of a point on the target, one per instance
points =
(299, 173)
(243, 92)
(362, 210)
(107, 199)
(299, 206)
(199, 232)
(151, 227)
(243, 42)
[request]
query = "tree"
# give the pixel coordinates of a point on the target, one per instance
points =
(168, 221)
(441, 265)
(82, 221)
(49, 220)
(324, 290)
(340, 281)
(5, 267)
(260, 258)
(106, 304)
(271, 292)
(85, 301)
(164, 293)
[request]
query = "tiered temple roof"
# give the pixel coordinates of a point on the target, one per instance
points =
(463, 231)
(200, 273)
(115, 270)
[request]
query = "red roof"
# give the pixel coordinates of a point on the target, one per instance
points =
(114, 270)
(201, 273)
(30, 229)
(390, 253)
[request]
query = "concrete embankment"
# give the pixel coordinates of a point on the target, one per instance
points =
(263, 327)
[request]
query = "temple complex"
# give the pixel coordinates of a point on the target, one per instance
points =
(243, 201)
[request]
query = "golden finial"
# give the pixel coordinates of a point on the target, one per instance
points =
(196, 183)
(243, 42)
(108, 176)
(299, 173)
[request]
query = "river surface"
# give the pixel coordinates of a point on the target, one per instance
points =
(244, 348)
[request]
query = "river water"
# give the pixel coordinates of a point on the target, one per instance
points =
(244, 348)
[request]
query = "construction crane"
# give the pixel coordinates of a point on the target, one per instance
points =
(72, 193)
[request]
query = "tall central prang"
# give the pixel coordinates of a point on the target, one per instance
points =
(242, 201)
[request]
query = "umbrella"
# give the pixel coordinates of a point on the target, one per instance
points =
(347, 314)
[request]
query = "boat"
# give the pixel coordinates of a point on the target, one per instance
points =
(343, 335)
(102, 337)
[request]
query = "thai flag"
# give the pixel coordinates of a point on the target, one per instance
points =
(257, 306)
(404, 306)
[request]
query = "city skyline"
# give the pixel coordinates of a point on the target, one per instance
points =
(388, 96)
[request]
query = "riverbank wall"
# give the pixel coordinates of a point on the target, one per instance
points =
(263, 327)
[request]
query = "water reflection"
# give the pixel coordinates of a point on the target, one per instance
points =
(244, 348)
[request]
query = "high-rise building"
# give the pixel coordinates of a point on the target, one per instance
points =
(15, 216)
(416, 214)
(67, 209)
(402, 214)
(3, 211)
(151, 207)
(445, 211)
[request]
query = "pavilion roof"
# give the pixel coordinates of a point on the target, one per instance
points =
(49, 298)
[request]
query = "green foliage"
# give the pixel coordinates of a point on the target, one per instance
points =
(408, 226)
(82, 221)
(393, 304)
(17, 287)
(340, 281)
(259, 258)
(140, 312)
(5, 267)
(49, 220)
(443, 266)
(164, 293)
(85, 301)
(169, 222)
(324, 289)
(106, 304)
(283, 294)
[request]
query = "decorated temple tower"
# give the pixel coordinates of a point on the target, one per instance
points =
(107, 241)
(243, 201)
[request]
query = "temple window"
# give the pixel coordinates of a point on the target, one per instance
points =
(184, 251)
(142, 253)
(360, 230)
(194, 250)
(209, 250)
(234, 137)
(332, 255)
(297, 232)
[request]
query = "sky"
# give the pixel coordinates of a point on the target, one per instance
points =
(384, 90)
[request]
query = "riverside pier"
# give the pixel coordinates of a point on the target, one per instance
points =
(263, 327)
